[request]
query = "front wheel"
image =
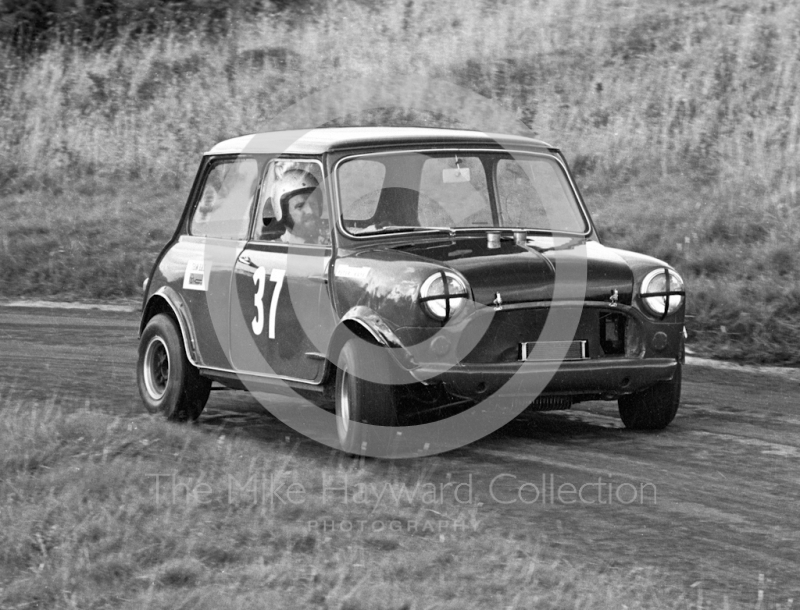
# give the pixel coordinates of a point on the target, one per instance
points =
(653, 408)
(360, 397)
(168, 383)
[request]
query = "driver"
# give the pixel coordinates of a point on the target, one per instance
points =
(297, 202)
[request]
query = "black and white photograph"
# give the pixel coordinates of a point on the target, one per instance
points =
(399, 304)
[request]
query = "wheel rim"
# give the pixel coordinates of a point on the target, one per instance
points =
(343, 420)
(156, 368)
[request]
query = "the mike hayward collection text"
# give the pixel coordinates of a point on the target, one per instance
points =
(274, 491)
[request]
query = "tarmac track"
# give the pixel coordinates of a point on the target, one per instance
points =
(716, 495)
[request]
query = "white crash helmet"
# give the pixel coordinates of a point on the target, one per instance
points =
(293, 182)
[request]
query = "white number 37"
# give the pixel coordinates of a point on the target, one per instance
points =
(260, 280)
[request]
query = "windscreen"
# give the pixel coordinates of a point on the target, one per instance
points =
(456, 190)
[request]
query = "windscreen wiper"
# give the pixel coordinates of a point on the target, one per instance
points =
(415, 229)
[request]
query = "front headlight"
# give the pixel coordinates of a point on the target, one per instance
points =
(662, 292)
(443, 294)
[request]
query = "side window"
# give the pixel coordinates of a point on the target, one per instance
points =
(360, 183)
(224, 206)
(307, 222)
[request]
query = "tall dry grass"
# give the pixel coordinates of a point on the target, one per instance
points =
(682, 122)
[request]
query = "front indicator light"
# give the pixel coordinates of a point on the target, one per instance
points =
(660, 341)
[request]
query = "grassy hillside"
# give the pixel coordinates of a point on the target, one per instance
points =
(682, 121)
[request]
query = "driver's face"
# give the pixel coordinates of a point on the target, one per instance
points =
(304, 208)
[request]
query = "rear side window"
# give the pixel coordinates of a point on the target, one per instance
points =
(224, 207)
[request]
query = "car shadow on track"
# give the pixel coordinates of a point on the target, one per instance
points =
(242, 414)
(572, 428)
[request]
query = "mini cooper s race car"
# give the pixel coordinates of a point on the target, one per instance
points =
(396, 274)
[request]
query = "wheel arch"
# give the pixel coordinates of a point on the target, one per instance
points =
(167, 301)
(364, 323)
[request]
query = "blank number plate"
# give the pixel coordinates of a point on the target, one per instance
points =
(548, 351)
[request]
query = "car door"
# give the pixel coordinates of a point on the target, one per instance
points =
(204, 257)
(281, 312)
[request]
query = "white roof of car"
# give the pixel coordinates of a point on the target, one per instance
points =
(318, 141)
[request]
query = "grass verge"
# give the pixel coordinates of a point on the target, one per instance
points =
(83, 525)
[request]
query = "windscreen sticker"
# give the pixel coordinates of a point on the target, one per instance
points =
(195, 277)
(459, 174)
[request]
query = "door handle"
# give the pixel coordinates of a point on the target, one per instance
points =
(243, 258)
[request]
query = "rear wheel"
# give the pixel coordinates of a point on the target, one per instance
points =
(168, 383)
(361, 400)
(653, 408)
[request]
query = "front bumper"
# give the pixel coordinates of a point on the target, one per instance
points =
(609, 377)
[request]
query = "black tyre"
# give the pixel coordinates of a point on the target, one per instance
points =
(168, 383)
(653, 408)
(360, 400)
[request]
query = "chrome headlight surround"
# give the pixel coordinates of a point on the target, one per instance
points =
(662, 292)
(443, 295)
